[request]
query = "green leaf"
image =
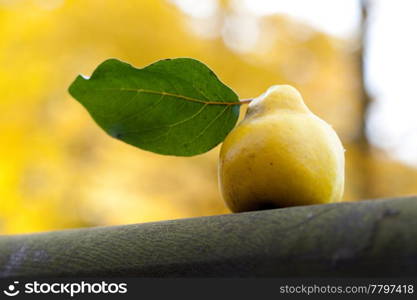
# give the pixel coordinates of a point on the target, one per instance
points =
(174, 106)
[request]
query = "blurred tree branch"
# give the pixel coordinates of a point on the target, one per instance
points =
(362, 138)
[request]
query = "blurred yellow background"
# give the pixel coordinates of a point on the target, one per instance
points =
(59, 170)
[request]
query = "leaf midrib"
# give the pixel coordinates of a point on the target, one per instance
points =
(162, 93)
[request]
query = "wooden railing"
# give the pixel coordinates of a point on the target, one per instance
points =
(369, 238)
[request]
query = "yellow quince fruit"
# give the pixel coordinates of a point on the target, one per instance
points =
(281, 155)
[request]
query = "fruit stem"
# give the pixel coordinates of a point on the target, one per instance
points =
(245, 101)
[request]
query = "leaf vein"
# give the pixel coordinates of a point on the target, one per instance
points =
(187, 98)
(170, 125)
(210, 124)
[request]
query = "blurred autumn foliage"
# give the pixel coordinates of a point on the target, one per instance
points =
(59, 170)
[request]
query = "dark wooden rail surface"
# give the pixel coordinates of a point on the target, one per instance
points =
(369, 238)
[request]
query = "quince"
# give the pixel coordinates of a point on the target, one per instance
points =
(280, 155)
